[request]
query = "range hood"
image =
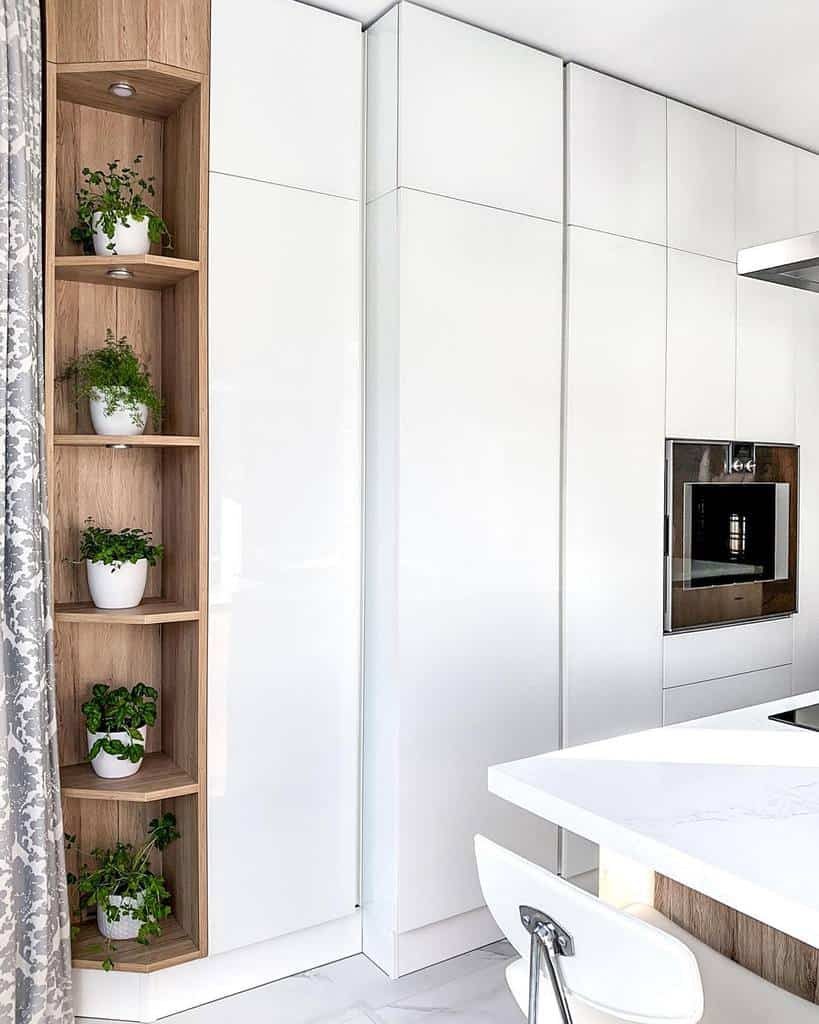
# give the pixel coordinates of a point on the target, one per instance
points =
(793, 261)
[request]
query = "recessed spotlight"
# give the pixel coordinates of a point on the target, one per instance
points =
(122, 89)
(119, 273)
(117, 446)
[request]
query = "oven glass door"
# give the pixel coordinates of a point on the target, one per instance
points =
(734, 533)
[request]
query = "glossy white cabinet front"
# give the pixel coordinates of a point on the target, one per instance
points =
(766, 189)
(464, 113)
(286, 95)
(613, 501)
(285, 496)
(616, 156)
(463, 467)
(767, 329)
(701, 368)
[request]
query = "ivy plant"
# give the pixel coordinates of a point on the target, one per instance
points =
(120, 710)
(118, 194)
(99, 544)
(123, 871)
(114, 374)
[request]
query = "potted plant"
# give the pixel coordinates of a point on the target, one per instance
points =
(116, 722)
(130, 899)
(117, 564)
(117, 385)
(114, 217)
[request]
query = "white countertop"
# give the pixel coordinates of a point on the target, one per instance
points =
(727, 805)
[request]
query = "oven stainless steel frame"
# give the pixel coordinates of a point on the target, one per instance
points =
(730, 552)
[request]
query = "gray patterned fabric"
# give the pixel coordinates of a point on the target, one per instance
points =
(35, 958)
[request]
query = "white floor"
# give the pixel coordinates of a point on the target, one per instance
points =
(469, 989)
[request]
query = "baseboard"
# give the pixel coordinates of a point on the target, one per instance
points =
(148, 997)
(400, 954)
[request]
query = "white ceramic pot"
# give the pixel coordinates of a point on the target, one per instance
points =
(120, 421)
(108, 766)
(120, 585)
(127, 927)
(130, 240)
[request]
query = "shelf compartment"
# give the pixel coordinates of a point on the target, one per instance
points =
(149, 271)
(158, 779)
(151, 612)
(140, 441)
(174, 946)
(160, 89)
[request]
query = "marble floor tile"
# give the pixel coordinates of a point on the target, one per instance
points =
(468, 989)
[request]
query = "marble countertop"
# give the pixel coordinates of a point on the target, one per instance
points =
(727, 805)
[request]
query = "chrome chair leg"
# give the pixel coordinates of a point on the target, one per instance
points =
(548, 942)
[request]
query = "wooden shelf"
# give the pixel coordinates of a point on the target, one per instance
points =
(140, 441)
(160, 89)
(158, 779)
(148, 271)
(152, 611)
(174, 946)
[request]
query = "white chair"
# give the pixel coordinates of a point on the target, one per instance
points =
(606, 965)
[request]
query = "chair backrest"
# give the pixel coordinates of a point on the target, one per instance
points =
(622, 965)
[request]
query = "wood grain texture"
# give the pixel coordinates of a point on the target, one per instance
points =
(173, 32)
(159, 778)
(160, 90)
(173, 947)
(179, 33)
(142, 441)
(779, 958)
(102, 653)
(98, 30)
(152, 612)
(161, 481)
(89, 137)
(118, 489)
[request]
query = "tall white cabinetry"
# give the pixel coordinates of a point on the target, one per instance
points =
(285, 477)
(463, 464)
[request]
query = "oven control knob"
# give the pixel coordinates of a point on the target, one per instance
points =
(750, 466)
(738, 465)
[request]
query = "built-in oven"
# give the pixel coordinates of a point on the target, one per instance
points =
(731, 532)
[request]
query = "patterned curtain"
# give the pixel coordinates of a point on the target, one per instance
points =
(35, 959)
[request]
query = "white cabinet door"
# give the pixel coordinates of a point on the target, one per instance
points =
(286, 95)
(462, 561)
(614, 473)
(701, 182)
(699, 700)
(728, 651)
(285, 497)
(807, 192)
(766, 361)
(806, 639)
(478, 547)
(701, 347)
(766, 189)
(479, 117)
(616, 142)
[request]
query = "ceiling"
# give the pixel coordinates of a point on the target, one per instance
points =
(752, 61)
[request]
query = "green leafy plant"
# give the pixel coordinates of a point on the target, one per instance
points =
(99, 544)
(115, 375)
(123, 711)
(123, 872)
(118, 194)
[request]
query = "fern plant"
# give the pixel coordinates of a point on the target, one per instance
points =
(115, 375)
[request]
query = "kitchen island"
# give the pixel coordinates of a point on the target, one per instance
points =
(723, 810)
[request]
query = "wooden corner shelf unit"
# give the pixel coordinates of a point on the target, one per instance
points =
(157, 481)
